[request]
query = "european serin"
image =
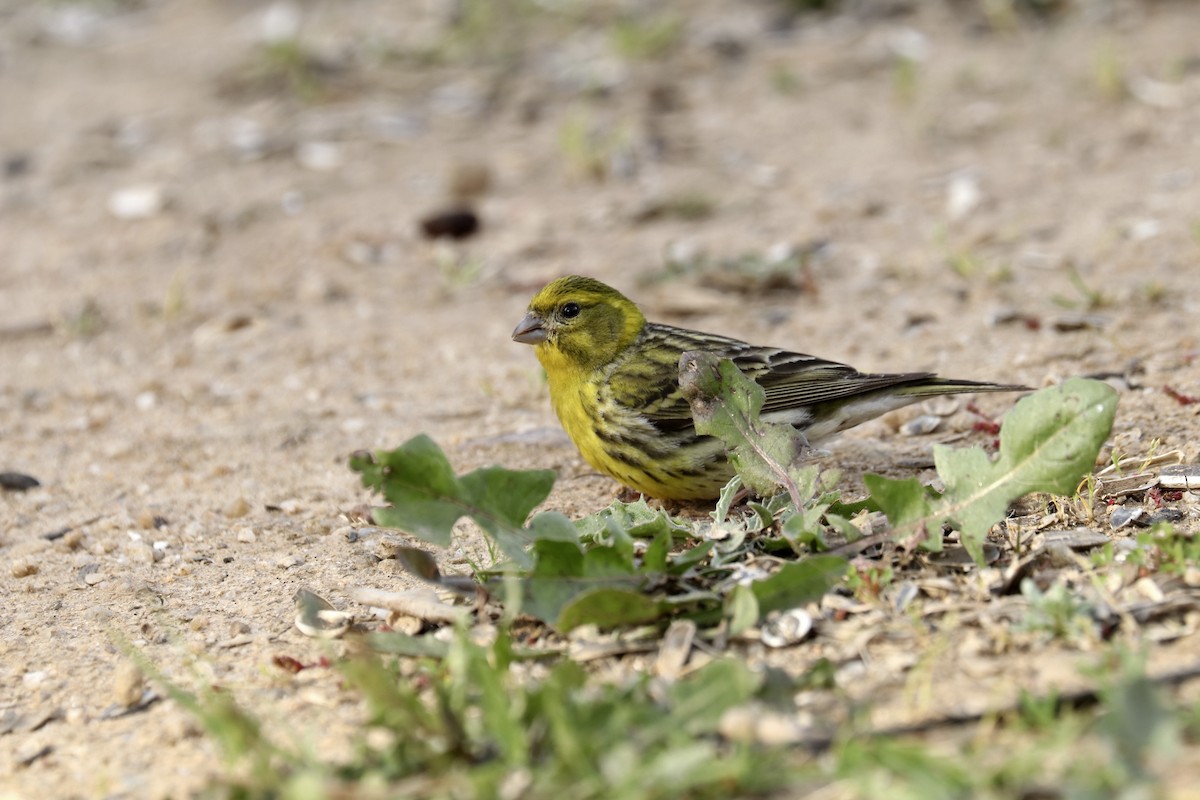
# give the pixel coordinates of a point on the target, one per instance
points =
(614, 383)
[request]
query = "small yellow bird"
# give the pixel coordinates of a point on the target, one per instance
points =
(614, 383)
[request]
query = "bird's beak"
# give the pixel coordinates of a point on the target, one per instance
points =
(530, 330)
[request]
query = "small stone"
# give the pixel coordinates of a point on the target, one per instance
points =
(319, 156)
(128, 685)
(238, 508)
(1142, 229)
(287, 562)
(963, 196)
(23, 568)
(1150, 590)
(909, 44)
(920, 426)
(136, 202)
(146, 401)
(406, 624)
(93, 578)
(246, 535)
(451, 223)
(279, 23)
(18, 481)
(738, 723)
(774, 730)
(140, 552)
(34, 678)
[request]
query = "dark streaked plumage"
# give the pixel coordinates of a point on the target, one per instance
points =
(614, 383)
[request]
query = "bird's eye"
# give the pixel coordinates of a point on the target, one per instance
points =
(570, 310)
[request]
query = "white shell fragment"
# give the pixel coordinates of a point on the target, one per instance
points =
(1180, 476)
(316, 617)
(1122, 517)
(787, 629)
(919, 426)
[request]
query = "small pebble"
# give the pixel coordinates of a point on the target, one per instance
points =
(452, 223)
(23, 568)
(34, 678)
(136, 202)
(140, 552)
(963, 196)
(93, 578)
(1149, 590)
(920, 426)
(1191, 577)
(18, 481)
(246, 535)
(279, 23)
(128, 685)
(319, 156)
(238, 508)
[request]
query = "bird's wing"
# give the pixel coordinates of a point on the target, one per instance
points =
(794, 380)
(649, 380)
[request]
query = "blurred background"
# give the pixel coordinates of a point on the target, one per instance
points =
(352, 201)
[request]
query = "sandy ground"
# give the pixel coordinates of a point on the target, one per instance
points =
(214, 290)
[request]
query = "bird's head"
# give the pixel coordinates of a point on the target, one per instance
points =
(579, 323)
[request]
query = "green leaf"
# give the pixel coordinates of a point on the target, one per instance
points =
(699, 702)
(680, 563)
(908, 507)
(637, 520)
(610, 607)
(654, 560)
(427, 499)
(741, 609)
(404, 645)
(726, 404)
(797, 583)
(1049, 442)
(728, 495)
(803, 528)
(563, 572)
(500, 710)
(551, 526)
